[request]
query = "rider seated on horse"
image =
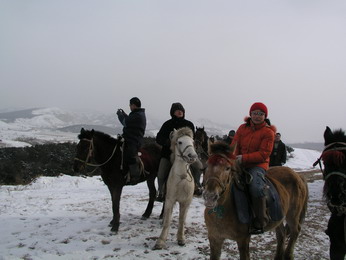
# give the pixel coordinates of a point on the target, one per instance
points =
(254, 142)
(133, 133)
(177, 121)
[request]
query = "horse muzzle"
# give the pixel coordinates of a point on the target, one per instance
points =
(210, 199)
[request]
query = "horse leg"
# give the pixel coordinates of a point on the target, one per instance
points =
(152, 196)
(215, 244)
(280, 240)
(243, 247)
(116, 194)
(294, 230)
(336, 235)
(161, 241)
(183, 209)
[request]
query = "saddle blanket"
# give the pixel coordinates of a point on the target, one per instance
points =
(244, 208)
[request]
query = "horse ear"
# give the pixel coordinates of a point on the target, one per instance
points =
(327, 134)
(210, 142)
(82, 130)
(172, 133)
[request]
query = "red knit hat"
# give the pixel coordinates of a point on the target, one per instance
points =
(259, 106)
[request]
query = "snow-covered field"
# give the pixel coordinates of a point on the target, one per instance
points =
(67, 218)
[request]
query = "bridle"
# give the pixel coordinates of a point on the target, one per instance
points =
(181, 153)
(340, 209)
(90, 154)
(330, 147)
(223, 185)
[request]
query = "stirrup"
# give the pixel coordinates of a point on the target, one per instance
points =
(255, 231)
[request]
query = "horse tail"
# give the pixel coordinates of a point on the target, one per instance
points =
(305, 206)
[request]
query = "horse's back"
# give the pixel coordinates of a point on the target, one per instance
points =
(291, 186)
(150, 155)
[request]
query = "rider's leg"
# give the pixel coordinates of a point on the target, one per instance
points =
(130, 157)
(257, 188)
(162, 176)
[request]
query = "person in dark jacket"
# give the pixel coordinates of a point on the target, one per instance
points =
(133, 133)
(230, 137)
(162, 138)
(278, 155)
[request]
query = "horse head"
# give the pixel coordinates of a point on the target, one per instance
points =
(84, 151)
(182, 145)
(219, 173)
(333, 157)
(95, 146)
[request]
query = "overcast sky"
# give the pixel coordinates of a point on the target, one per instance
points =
(215, 57)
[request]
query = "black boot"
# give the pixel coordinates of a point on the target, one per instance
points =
(134, 174)
(261, 219)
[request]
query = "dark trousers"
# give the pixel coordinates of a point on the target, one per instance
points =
(130, 153)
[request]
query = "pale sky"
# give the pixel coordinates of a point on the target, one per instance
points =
(215, 57)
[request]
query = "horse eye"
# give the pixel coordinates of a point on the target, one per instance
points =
(228, 168)
(180, 142)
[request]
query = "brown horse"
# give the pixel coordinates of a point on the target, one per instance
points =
(106, 152)
(221, 214)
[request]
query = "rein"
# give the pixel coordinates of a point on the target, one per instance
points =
(91, 148)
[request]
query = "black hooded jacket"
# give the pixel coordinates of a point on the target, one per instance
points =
(162, 137)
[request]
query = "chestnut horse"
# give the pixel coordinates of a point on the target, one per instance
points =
(106, 152)
(334, 190)
(221, 215)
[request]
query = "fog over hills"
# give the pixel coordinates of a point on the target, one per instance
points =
(40, 122)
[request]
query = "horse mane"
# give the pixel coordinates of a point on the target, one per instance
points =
(175, 135)
(219, 150)
(337, 135)
(88, 134)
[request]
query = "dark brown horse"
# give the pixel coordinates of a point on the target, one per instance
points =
(221, 214)
(201, 147)
(334, 190)
(105, 151)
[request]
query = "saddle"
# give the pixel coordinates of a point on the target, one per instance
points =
(243, 203)
(140, 165)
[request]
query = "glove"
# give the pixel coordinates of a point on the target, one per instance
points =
(239, 159)
(120, 112)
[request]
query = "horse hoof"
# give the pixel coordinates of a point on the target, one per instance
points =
(144, 218)
(181, 243)
(157, 247)
(114, 231)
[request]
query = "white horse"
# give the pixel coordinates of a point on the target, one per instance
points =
(180, 184)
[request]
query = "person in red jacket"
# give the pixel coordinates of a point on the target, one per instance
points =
(254, 143)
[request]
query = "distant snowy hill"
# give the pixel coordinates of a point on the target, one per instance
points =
(45, 123)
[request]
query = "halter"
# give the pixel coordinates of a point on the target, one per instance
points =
(217, 179)
(199, 144)
(330, 147)
(90, 153)
(340, 209)
(181, 153)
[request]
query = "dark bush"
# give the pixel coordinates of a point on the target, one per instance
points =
(23, 165)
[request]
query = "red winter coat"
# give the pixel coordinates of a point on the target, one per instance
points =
(254, 143)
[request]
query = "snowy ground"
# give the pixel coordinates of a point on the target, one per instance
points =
(67, 218)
